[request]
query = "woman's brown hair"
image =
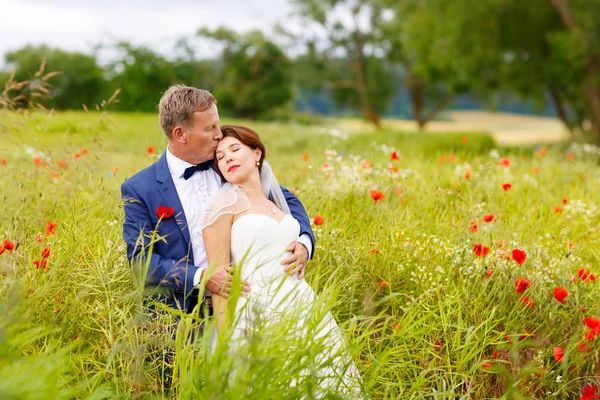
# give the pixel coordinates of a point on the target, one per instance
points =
(247, 137)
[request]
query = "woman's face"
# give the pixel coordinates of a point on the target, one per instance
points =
(235, 160)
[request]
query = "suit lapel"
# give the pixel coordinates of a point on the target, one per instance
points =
(167, 190)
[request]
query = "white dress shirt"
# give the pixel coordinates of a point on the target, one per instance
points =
(195, 194)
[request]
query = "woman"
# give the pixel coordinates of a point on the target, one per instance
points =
(257, 231)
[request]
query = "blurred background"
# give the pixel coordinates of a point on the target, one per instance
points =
(411, 64)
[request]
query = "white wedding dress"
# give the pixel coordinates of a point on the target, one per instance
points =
(258, 246)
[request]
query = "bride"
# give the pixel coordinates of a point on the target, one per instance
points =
(249, 226)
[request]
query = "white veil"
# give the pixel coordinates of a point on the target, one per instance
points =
(230, 199)
(271, 187)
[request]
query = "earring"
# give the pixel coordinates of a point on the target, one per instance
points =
(258, 163)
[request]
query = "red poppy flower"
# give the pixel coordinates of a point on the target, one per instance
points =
(541, 152)
(374, 251)
(54, 175)
(9, 245)
(556, 209)
(318, 220)
(464, 140)
(589, 393)
(586, 275)
(473, 226)
(46, 252)
(394, 156)
(114, 169)
(377, 196)
(560, 294)
(506, 186)
(495, 355)
(451, 158)
(570, 157)
(590, 335)
(442, 159)
(504, 162)
(486, 365)
(392, 168)
(61, 164)
(164, 212)
(593, 323)
(306, 156)
(489, 218)
(480, 250)
(583, 347)
(2, 249)
(366, 164)
(50, 228)
(77, 156)
(150, 150)
(527, 301)
(559, 354)
(527, 334)
(564, 200)
(41, 263)
(468, 174)
(397, 326)
(84, 151)
(521, 285)
(519, 256)
(38, 161)
(382, 284)
(489, 273)
(3, 161)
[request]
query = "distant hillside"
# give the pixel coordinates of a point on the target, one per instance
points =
(322, 103)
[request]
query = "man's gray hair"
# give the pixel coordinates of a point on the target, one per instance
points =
(179, 103)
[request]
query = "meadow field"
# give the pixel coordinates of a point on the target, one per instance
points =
(457, 268)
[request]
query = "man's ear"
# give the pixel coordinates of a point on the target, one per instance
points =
(178, 134)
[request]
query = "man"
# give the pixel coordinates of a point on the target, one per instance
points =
(170, 195)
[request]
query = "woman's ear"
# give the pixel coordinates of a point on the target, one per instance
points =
(258, 154)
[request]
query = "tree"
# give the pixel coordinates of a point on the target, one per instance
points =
(346, 42)
(142, 75)
(79, 82)
(255, 76)
(413, 33)
(581, 22)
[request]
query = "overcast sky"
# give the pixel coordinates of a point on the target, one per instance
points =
(79, 24)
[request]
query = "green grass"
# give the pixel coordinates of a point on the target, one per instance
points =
(419, 315)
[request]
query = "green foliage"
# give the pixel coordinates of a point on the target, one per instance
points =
(80, 81)
(255, 76)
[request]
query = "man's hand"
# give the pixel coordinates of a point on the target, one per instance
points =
(221, 280)
(296, 263)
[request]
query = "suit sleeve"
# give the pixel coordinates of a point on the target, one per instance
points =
(298, 212)
(167, 273)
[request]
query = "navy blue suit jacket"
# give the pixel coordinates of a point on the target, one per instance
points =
(171, 266)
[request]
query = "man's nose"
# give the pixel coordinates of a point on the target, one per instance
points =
(218, 133)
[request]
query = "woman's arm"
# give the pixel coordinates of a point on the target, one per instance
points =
(217, 243)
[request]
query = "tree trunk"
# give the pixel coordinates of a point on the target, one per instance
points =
(416, 90)
(593, 95)
(590, 86)
(361, 77)
(559, 106)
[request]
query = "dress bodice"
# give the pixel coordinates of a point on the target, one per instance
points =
(259, 243)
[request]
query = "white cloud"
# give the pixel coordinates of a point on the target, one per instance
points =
(79, 24)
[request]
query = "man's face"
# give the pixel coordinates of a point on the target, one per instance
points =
(202, 135)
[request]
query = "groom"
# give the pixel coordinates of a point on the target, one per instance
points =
(170, 195)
